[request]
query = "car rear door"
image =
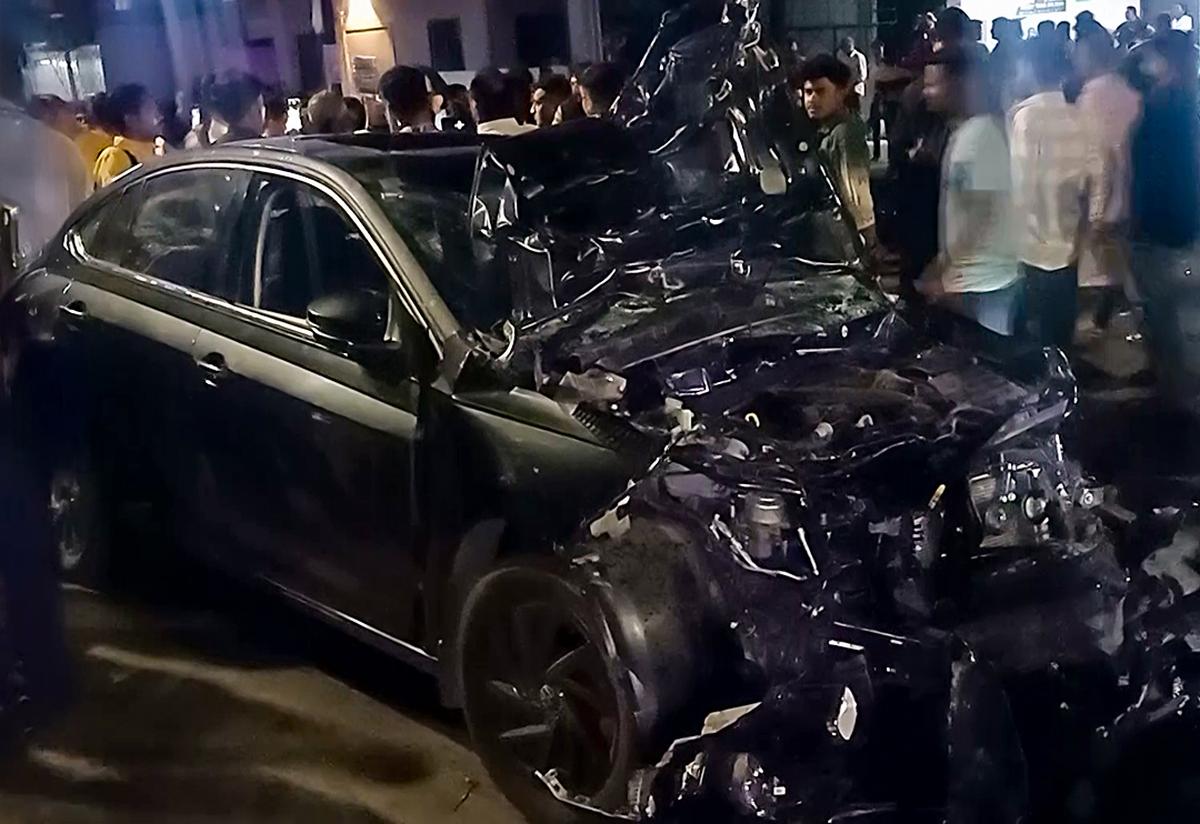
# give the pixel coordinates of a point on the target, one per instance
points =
(308, 453)
(140, 270)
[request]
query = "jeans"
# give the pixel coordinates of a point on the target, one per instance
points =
(1170, 293)
(1052, 304)
(999, 310)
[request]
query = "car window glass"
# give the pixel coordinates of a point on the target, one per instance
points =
(307, 249)
(181, 228)
(102, 233)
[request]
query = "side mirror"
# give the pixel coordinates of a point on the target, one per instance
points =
(352, 323)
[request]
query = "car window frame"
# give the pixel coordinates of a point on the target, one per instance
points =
(439, 325)
(112, 206)
(118, 200)
(250, 254)
(262, 198)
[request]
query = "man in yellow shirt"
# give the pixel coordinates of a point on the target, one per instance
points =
(136, 118)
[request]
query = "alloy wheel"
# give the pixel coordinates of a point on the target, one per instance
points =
(547, 698)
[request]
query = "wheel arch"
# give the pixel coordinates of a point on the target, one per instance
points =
(647, 591)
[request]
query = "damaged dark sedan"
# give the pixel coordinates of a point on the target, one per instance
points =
(606, 426)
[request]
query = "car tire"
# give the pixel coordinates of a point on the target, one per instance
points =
(79, 521)
(542, 691)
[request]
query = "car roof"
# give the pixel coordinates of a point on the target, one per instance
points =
(438, 160)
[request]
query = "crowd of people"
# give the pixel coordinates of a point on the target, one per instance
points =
(1017, 176)
(1028, 179)
(79, 148)
(121, 129)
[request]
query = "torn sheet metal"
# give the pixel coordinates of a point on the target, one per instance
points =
(895, 563)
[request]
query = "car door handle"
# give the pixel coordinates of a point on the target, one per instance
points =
(75, 310)
(213, 367)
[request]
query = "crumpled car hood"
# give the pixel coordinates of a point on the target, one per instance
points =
(821, 375)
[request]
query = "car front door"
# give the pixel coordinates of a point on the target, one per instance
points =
(308, 452)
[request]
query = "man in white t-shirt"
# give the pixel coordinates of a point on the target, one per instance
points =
(1180, 19)
(856, 62)
(975, 272)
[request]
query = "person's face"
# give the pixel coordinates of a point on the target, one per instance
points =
(1130, 15)
(143, 124)
(848, 45)
(939, 90)
(545, 107)
(66, 121)
(1177, 11)
(256, 116)
(591, 106)
(823, 99)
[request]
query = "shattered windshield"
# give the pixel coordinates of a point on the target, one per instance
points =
(433, 220)
(525, 247)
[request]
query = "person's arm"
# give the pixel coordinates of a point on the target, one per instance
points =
(1023, 154)
(1101, 164)
(849, 161)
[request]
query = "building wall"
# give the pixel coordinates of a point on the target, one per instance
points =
(488, 27)
(410, 32)
(1110, 13)
(281, 22)
(135, 51)
(502, 17)
(817, 25)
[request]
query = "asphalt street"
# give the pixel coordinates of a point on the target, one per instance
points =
(194, 703)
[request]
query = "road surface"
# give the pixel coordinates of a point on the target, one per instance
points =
(197, 703)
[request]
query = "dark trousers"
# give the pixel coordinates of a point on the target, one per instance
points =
(1052, 302)
(34, 670)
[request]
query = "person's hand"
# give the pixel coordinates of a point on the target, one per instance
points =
(930, 288)
(930, 284)
(885, 262)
